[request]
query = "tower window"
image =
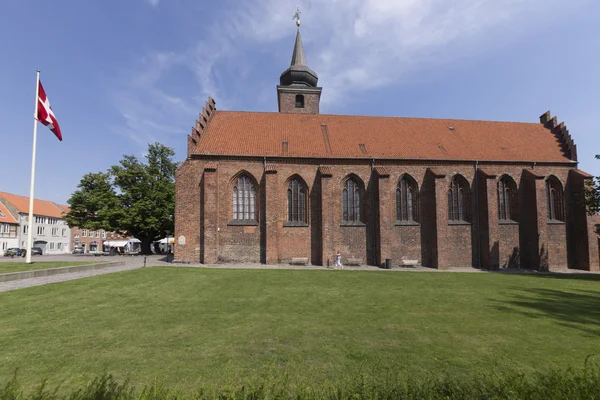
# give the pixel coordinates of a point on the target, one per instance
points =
(299, 101)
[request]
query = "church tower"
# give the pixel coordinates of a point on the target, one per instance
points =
(297, 92)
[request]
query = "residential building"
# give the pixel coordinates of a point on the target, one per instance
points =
(50, 231)
(9, 227)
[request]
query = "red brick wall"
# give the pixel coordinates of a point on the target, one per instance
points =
(204, 213)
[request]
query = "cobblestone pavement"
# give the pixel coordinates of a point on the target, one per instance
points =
(135, 262)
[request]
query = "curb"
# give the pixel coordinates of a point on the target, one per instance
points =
(14, 276)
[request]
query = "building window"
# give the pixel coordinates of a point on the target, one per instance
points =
(351, 202)
(41, 230)
(64, 232)
(84, 233)
(554, 200)
(51, 245)
(299, 101)
(59, 246)
(25, 229)
(407, 200)
(507, 199)
(296, 197)
(244, 194)
(4, 246)
(458, 200)
(76, 236)
(4, 228)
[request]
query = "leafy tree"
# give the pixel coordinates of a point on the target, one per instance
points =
(133, 197)
(592, 195)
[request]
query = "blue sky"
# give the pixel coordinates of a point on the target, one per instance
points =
(122, 73)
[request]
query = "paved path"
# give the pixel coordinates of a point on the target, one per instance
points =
(135, 262)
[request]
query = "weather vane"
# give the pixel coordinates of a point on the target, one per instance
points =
(297, 17)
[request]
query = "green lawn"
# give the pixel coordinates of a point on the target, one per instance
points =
(187, 325)
(10, 266)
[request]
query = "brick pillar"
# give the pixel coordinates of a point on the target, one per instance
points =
(210, 212)
(272, 215)
(441, 250)
(386, 217)
(488, 216)
(542, 224)
(582, 242)
(327, 213)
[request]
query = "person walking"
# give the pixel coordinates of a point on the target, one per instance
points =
(338, 260)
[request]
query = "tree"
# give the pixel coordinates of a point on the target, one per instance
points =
(592, 195)
(133, 197)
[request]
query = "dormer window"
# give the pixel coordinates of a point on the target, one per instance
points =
(299, 101)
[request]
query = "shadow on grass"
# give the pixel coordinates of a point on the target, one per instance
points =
(579, 310)
(582, 276)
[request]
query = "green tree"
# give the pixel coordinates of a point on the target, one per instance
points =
(592, 195)
(133, 197)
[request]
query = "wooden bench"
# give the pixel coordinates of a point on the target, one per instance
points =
(412, 263)
(353, 261)
(299, 261)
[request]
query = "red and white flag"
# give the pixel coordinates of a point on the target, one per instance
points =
(45, 114)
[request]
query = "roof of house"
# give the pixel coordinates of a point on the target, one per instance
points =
(5, 216)
(40, 207)
(344, 136)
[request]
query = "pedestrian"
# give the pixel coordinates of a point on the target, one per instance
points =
(338, 260)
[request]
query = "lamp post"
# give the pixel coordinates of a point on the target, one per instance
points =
(168, 245)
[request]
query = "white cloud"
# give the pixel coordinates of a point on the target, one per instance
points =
(153, 3)
(353, 45)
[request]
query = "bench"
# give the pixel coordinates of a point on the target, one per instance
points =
(353, 261)
(412, 263)
(299, 261)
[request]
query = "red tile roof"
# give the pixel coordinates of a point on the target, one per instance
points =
(5, 216)
(343, 136)
(40, 207)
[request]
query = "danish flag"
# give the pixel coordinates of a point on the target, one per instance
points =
(45, 114)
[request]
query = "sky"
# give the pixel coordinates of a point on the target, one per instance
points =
(120, 74)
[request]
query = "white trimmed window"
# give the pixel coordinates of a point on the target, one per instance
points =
(84, 233)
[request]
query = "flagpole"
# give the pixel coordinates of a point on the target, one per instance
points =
(30, 220)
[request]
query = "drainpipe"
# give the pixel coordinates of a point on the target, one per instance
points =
(265, 163)
(478, 214)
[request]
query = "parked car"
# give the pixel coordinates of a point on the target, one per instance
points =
(78, 250)
(36, 251)
(13, 251)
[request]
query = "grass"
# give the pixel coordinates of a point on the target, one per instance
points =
(190, 326)
(10, 266)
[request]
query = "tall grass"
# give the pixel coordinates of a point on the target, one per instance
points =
(568, 384)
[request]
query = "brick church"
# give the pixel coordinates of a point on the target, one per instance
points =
(297, 185)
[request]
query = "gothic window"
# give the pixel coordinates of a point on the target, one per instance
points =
(554, 200)
(296, 196)
(351, 202)
(458, 200)
(244, 199)
(507, 199)
(299, 101)
(407, 200)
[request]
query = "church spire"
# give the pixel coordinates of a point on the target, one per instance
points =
(297, 92)
(298, 57)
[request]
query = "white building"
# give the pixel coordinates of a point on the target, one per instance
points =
(8, 230)
(50, 231)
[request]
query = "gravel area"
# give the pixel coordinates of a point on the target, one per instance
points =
(134, 262)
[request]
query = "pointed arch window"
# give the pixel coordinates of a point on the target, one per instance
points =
(554, 200)
(351, 202)
(296, 198)
(458, 200)
(507, 199)
(407, 200)
(244, 199)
